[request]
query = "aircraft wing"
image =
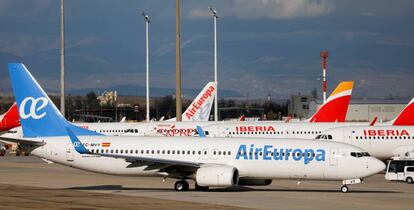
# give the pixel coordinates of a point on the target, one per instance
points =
(82, 150)
(151, 160)
(23, 141)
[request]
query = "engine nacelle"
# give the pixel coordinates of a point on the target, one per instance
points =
(255, 182)
(217, 176)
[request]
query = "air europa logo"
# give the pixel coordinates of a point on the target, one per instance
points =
(199, 103)
(36, 106)
(268, 152)
(254, 128)
(386, 133)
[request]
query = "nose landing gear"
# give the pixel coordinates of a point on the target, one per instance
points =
(344, 189)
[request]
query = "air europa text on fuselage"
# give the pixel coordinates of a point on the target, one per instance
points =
(268, 152)
(197, 104)
(254, 128)
(372, 132)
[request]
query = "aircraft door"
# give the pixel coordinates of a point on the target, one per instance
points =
(348, 136)
(333, 158)
(69, 152)
(223, 132)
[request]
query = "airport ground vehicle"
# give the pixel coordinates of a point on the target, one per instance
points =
(216, 162)
(400, 170)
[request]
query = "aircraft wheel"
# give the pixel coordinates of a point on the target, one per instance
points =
(409, 180)
(201, 188)
(181, 185)
(344, 189)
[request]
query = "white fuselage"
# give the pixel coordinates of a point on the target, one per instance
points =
(332, 161)
(264, 129)
(383, 142)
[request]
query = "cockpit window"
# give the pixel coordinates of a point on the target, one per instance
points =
(360, 154)
(323, 136)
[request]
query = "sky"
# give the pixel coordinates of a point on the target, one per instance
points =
(264, 46)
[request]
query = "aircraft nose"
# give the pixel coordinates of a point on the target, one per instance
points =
(376, 165)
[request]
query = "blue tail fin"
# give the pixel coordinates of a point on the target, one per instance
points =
(38, 115)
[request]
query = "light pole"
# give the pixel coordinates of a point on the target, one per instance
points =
(62, 58)
(147, 21)
(214, 12)
(178, 102)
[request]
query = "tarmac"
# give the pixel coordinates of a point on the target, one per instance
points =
(31, 183)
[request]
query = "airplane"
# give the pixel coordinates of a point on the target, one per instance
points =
(330, 114)
(297, 129)
(197, 113)
(213, 163)
(383, 141)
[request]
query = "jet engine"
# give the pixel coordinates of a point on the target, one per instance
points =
(217, 176)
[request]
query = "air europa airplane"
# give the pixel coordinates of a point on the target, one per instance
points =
(197, 113)
(213, 163)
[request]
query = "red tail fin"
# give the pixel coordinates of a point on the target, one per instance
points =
(336, 106)
(10, 119)
(406, 116)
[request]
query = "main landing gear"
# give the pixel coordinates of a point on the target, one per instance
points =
(181, 185)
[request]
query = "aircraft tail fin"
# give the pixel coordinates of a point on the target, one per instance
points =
(406, 116)
(200, 108)
(336, 105)
(38, 115)
(10, 119)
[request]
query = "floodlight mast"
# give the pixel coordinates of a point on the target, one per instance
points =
(147, 21)
(214, 13)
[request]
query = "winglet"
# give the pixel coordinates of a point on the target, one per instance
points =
(336, 106)
(373, 121)
(200, 132)
(406, 116)
(77, 144)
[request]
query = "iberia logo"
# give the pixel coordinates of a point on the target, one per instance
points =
(106, 144)
(255, 128)
(386, 133)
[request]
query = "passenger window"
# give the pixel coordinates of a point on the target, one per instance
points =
(410, 169)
